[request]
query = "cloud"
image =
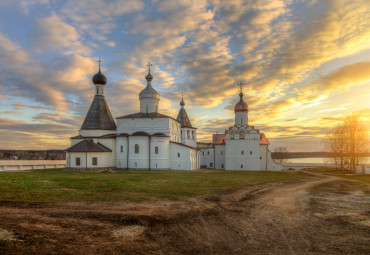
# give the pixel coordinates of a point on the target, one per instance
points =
(53, 33)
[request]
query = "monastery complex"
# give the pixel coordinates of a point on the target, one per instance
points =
(149, 140)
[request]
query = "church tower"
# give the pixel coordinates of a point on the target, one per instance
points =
(241, 109)
(149, 97)
(188, 133)
(99, 119)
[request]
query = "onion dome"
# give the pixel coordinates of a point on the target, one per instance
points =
(99, 78)
(149, 91)
(149, 77)
(241, 106)
(182, 103)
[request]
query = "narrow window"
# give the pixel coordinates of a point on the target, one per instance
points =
(78, 161)
(156, 149)
(136, 149)
(97, 91)
(222, 165)
(192, 134)
(121, 148)
(203, 153)
(178, 154)
(222, 153)
(188, 134)
(208, 152)
(135, 164)
(242, 152)
(95, 161)
(251, 152)
(260, 157)
(241, 166)
(210, 164)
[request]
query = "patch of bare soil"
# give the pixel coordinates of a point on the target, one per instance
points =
(289, 217)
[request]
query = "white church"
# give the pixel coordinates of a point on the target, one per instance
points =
(149, 140)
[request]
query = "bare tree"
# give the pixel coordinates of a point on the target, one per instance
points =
(347, 143)
(281, 155)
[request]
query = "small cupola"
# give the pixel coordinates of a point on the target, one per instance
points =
(241, 106)
(99, 78)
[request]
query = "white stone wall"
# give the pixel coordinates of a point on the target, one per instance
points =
(183, 158)
(162, 160)
(241, 118)
(18, 165)
(189, 136)
(207, 157)
(148, 105)
(243, 154)
(104, 159)
(167, 126)
(220, 155)
(121, 155)
(95, 132)
(271, 165)
(140, 160)
(263, 156)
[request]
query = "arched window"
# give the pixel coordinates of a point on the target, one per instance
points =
(208, 152)
(188, 134)
(231, 135)
(97, 90)
(242, 152)
(241, 166)
(121, 148)
(136, 149)
(156, 150)
(251, 152)
(241, 135)
(192, 133)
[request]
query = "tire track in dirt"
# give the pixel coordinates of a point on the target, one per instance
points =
(271, 218)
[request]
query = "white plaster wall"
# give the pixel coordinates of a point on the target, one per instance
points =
(189, 137)
(95, 132)
(153, 105)
(17, 165)
(203, 157)
(162, 160)
(139, 161)
(149, 125)
(111, 144)
(188, 159)
(220, 157)
(121, 157)
(263, 156)
(175, 130)
(271, 165)
(241, 118)
(104, 159)
(235, 160)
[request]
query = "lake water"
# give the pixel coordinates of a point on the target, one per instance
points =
(318, 160)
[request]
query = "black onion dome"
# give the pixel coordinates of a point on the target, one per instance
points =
(149, 77)
(99, 78)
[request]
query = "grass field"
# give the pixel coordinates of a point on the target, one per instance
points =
(58, 185)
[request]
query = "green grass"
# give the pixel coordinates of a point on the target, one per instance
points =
(59, 185)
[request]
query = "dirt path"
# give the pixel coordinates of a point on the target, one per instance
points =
(276, 218)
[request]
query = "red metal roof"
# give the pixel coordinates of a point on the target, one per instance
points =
(263, 139)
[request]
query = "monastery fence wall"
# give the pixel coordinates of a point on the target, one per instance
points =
(18, 165)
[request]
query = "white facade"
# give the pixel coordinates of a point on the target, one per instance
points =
(146, 140)
(242, 147)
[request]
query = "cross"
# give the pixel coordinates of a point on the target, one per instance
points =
(241, 85)
(182, 95)
(149, 65)
(99, 61)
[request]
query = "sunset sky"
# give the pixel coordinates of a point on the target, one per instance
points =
(305, 63)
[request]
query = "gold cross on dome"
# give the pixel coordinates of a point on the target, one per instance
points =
(241, 85)
(99, 61)
(149, 65)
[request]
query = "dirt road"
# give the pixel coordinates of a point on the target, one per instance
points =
(288, 217)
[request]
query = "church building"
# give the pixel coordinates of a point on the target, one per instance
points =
(146, 140)
(149, 140)
(241, 147)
